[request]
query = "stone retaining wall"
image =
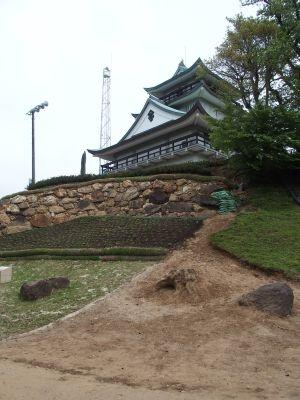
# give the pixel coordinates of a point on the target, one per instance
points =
(63, 203)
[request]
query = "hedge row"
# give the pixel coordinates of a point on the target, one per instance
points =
(199, 168)
(85, 258)
(79, 253)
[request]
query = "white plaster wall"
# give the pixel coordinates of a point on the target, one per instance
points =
(160, 117)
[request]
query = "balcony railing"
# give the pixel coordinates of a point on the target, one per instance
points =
(165, 150)
(174, 95)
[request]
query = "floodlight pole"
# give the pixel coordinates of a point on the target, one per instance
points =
(32, 112)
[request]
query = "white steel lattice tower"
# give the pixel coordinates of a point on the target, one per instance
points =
(105, 130)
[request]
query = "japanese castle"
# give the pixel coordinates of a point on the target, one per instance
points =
(171, 127)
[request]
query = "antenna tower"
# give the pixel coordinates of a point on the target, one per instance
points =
(105, 130)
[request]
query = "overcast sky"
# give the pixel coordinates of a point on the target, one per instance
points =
(55, 50)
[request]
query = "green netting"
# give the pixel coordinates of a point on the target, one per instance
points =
(225, 200)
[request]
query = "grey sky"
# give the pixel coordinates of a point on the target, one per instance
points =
(55, 50)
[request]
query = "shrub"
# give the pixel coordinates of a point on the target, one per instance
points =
(200, 168)
(88, 252)
(262, 141)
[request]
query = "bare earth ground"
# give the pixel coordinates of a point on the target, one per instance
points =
(141, 344)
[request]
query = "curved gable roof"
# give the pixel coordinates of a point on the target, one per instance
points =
(193, 117)
(177, 77)
(201, 90)
(157, 104)
(181, 77)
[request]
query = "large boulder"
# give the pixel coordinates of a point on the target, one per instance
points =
(137, 203)
(85, 189)
(13, 209)
(18, 199)
(158, 196)
(205, 201)
(49, 200)
(37, 289)
(60, 192)
(60, 218)
(4, 220)
(178, 207)
(40, 221)
(41, 209)
(212, 187)
(20, 224)
(24, 205)
(60, 282)
(108, 186)
(56, 209)
(32, 198)
(67, 200)
(29, 212)
(274, 298)
(150, 209)
(131, 193)
(86, 205)
(98, 196)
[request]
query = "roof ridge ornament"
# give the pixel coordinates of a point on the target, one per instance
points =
(180, 74)
(181, 68)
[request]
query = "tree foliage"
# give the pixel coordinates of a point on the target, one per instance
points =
(284, 49)
(262, 140)
(243, 59)
(260, 57)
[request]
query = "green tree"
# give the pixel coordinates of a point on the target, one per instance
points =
(262, 140)
(284, 50)
(260, 58)
(243, 60)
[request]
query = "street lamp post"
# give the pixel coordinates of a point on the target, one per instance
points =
(32, 113)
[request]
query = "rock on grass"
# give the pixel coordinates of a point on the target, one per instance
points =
(37, 289)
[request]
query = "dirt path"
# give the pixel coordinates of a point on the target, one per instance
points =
(209, 348)
(23, 382)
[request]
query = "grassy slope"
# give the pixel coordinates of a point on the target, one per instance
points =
(269, 236)
(107, 231)
(89, 280)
